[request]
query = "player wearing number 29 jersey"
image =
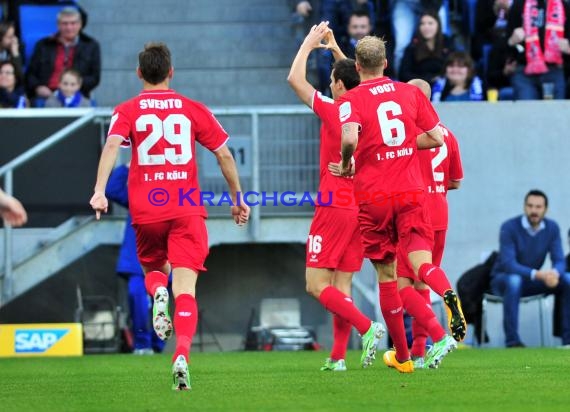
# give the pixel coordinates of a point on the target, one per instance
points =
(163, 128)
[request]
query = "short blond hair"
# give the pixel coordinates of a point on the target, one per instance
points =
(371, 54)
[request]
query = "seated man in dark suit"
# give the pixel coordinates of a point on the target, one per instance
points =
(524, 243)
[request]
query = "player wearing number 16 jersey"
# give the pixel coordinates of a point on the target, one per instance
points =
(334, 248)
(381, 117)
(162, 128)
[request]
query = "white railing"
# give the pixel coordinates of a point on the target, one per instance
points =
(272, 153)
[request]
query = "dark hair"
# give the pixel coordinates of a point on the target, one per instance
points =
(422, 51)
(155, 62)
(17, 74)
(359, 13)
(462, 59)
(345, 70)
(536, 192)
(4, 27)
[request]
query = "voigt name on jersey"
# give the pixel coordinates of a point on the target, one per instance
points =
(59, 339)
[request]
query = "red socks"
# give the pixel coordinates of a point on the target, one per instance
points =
(341, 334)
(153, 280)
(418, 332)
(434, 277)
(393, 312)
(340, 304)
(185, 321)
(417, 307)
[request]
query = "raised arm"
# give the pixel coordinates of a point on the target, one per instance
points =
(332, 45)
(298, 74)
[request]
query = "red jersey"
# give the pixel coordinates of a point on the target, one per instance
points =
(162, 128)
(439, 166)
(340, 187)
(389, 114)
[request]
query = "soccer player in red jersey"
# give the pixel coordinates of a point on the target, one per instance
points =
(334, 248)
(162, 128)
(381, 117)
(442, 171)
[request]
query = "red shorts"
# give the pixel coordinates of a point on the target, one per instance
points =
(182, 241)
(390, 225)
(438, 246)
(403, 266)
(334, 240)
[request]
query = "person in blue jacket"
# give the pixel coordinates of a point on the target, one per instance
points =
(145, 339)
(525, 241)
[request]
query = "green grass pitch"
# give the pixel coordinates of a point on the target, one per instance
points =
(470, 379)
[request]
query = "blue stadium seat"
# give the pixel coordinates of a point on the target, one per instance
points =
(37, 21)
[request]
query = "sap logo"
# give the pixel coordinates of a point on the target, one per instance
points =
(37, 340)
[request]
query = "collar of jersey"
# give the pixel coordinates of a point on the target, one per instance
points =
(163, 91)
(377, 80)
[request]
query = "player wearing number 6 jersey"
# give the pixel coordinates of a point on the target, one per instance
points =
(334, 248)
(381, 117)
(162, 128)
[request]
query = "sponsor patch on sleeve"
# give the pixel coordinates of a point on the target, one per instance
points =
(344, 111)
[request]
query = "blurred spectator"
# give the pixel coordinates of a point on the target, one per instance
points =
(68, 93)
(425, 56)
(534, 29)
(358, 26)
(459, 82)
(146, 342)
(68, 48)
(302, 17)
(9, 45)
(338, 13)
(490, 24)
(12, 93)
(502, 62)
(405, 17)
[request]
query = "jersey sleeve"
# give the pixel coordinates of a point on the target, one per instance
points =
(427, 118)
(455, 166)
(348, 110)
(208, 131)
(322, 105)
(120, 126)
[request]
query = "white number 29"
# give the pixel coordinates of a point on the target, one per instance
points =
(175, 129)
